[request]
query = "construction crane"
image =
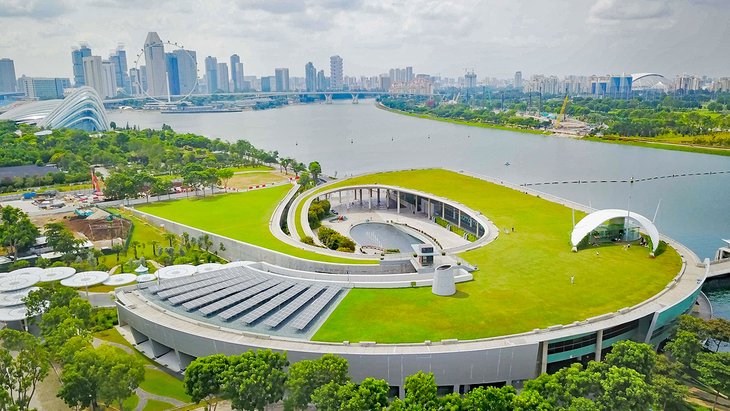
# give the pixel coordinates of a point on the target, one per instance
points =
(562, 112)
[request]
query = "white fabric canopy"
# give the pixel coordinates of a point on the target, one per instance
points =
(596, 218)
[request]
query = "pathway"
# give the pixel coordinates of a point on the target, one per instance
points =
(145, 396)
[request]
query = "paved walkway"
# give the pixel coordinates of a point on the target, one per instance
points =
(145, 396)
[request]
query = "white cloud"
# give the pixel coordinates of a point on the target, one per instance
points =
(623, 10)
(38, 9)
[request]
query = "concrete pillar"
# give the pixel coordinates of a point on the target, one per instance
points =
(361, 197)
(370, 198)
(459, 219)
(415, 205)
(397, 193)
(378, 198)
(599, 344)
(340, 192)
(443, 210)
(543, 357)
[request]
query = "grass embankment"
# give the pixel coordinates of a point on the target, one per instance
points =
(523, 280)
(155, 381)
(463, 122)
(241, 216)
(673, 143)
(61, 188)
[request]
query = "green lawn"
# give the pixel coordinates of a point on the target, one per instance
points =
(159, 382)
(154, 405)
(523, 280)
(130, 404)
(241, 216)
(144, 233)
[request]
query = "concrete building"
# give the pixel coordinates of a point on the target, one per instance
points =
(154, 56)
(187, 70)
(211, 74)
(94, 74)
(8, 81)
(135, 81)
(282, 79)
(310, 76)
(336, 73)
(237, 73)
(518, 80)
(119, 59)
(470, 80)
(409, 74)
(109, 79)
(43, 88)
(322, 81)
(268, 83)
(173, 73)
(77, 59)
(223, 80)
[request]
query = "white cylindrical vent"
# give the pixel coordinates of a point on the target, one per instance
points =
(443, 281)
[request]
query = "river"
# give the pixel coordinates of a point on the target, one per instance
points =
(355, 138)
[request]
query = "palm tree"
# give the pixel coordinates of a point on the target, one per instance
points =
(171, 239)
(154, 248)
(117, 249)
(134, 244)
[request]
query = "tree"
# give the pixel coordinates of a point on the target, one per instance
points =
(371, 394)
(298, 168)
(171, 239)
(204, 377)
(20, 374)
(315, 169)
(307, 375)
(719, 332)
(161, 186)
(421, 391)
(225, 174)
(714, 370)
(450, 402)
(625, 389)
(670, 391)
(637, 356)
(255, 379)
(490, 398)
(305, 180)
(62, 240)
(16, 230)
(105, 374)
(684, 347)
(531, 400)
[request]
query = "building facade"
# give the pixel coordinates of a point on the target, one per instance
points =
(77, 59)
(119, 59)
(173, 73)
(154, 56)
(223, 80)
(43, 88)
(8, 81)
(187, 70)
(336, 73)
(110, 78)
(282, 79)
(236, 73)
(94, 74)
(310, 77)
(211, 74)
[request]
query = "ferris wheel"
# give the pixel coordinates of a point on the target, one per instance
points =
(139, 61)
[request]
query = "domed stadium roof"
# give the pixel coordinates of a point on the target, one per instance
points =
(83, 109)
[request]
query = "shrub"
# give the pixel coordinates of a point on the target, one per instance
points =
(335, 241)
(308, 240)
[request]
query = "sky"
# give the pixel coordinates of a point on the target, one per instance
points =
(495, 38)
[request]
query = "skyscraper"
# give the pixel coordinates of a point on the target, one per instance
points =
(77, 58)
(518, 80)
(282, 79)
(43, 88)
(321, 81)
(94, 74)
(336, 76)
(173, 73)
(154, 59)
(8, 81)
(187, 70)
(135, 81)
(409, 74)
(223, 80)
(310, 76)
(211, 74)
(236, 72)
(268, 83)
(119, 59)
(109, 79)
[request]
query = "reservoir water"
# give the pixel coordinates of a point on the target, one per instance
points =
(350, 139)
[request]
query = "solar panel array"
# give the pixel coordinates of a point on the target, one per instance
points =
(241, 294)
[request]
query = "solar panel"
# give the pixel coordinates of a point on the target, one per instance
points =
(305, 317)
(207, 299)
(290, 308)
(171, 283)
(200, 292)
(195, 286)
(273, 303)
(254, 300)
(221, 304)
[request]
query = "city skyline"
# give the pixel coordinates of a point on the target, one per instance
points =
(439, 38)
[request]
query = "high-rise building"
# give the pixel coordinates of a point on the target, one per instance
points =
(187, 70)
(154, 60)
(43, 88)
(135, 81)
(236, 73)
(310, 76)
(282, 79)
(94, 74)
(119, 59)
(268, 83)
(8, 81)
(409, 74)
(470, 80)
(77, 58)
(518, 80)
(109, 79)
(211, 74)
(336, 75)
(322, 81)
(223, 81)
(173, 73)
